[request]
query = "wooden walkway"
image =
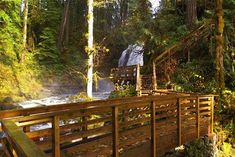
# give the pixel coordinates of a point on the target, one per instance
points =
(108, 127)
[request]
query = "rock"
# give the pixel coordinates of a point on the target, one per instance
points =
(7, 100)
(8, 104)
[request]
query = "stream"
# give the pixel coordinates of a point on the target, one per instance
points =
(60, 99)
(105, 86)
(55, 100)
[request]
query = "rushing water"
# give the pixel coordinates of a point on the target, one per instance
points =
(105, 86)
(55, 100)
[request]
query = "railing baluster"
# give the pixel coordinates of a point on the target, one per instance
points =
(84, 120)
(8, 150)
(154, 77)
(17, 142)
(56, 136)
(179, 120)
(153, 130)
(115, 132)
(212, 114)
(198, 116)
(26, 128)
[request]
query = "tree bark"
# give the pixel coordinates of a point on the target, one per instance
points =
(67, 28)
(219, 50)
(123, 10)
(64, 22)
(25, 21)
(191, 13)
(90, 48)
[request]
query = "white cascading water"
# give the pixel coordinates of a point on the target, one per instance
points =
(133, 55)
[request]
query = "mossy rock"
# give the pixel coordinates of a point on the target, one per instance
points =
(8, 104)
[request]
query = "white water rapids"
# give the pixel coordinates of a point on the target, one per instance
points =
(105, 86)
(104, 89)
(59, 99)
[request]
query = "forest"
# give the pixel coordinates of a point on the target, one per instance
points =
(59, 44)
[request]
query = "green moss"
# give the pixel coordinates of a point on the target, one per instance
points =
(199, 148)
(82, 96)
(123, 91)
(226, 150)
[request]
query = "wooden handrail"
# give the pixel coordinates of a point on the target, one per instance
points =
(179, 42)
(90, 105)
(79, 105)
(70, 106)
(23, 146)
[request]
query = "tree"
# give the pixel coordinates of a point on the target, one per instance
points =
(64, 27)
(25, 22)
(219, 38)
(90, 48)
(191, 13)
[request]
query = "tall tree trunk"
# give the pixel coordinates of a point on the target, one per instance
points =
(60, 43)
(67, 29)
(123, 10)
(191, 13)
(90, 48)
(25, 21)
(219, 50)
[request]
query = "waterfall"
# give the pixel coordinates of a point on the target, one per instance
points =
(133, 55)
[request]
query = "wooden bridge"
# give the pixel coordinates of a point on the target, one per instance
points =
(152, 125)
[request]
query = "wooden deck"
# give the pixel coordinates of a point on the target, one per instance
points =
(108, 127)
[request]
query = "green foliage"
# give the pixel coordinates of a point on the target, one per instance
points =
(225, 123)
(81, 96)
(192, 77)
(123, 91)
(19, 81)
(47, 47)
(226, 150)
(228, 100)
(199, 148)
(47, 19)
(10, 33)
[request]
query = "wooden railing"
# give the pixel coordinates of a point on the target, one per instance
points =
(132, 75)
(193, 36)
(128, 73)
(109, 127)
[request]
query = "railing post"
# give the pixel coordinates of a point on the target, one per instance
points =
(179, 121)
(212, 114)
(115, 131)
(56, 136)
(154, 77)
(198, 116)
(153, 130)
(138, 80)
